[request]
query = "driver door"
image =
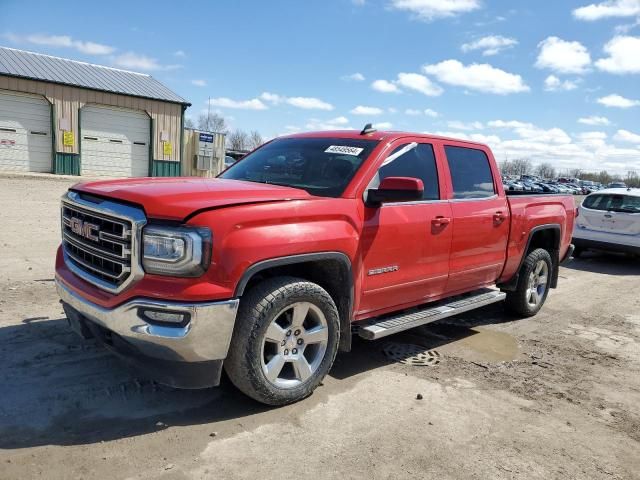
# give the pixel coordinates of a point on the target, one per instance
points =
(406, 245)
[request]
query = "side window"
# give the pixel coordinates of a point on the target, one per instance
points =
(470, 172)
(597, 202)
(419, 162)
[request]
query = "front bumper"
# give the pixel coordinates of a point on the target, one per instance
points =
(187, 356)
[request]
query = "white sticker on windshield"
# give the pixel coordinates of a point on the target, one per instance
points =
(355, 151)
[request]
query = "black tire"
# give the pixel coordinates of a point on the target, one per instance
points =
(577, 252)
(520, 300)
(258, 309)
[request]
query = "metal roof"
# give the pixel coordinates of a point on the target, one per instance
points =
(36, 66)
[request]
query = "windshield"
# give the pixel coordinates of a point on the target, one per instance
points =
(321, 166)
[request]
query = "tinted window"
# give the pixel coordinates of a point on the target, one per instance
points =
(470, 173)
(419, 162)
(616, 203)
(321, 166)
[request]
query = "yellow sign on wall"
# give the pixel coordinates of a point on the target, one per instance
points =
(167, 148)
(67, 139)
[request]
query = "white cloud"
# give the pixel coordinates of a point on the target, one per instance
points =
(64, 41)
(383, 125)
(273, 98)
(594, 120)
(618, 101)
(627, 136)
(309, 103)
(458, 125)
(586, 150)
(490, 45)
(223, 102)
(608, 9)
(358, 3)
(508, 124)
(135, 61)
(428, 10)
(199, 83)
(338, 123)
(419, 83)
(306, 103)
(364, 110)
(426, 112)
(385, 86)
(624, 55)
(481, 77)
(179, 53)
(554, 84)
(354, 77)
(563, 56)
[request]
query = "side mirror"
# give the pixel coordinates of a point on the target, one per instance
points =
(396, 189)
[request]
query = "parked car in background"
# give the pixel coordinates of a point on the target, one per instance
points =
(617, 185)
(228, 161)
(609, 220)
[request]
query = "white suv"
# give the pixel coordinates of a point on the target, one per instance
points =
(609, 220)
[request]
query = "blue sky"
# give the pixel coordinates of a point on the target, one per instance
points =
(550, 81)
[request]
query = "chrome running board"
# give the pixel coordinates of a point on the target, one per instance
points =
(389, 324)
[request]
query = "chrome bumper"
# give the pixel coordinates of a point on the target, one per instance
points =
(206, 337)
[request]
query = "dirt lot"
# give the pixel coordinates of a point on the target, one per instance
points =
(556, 396)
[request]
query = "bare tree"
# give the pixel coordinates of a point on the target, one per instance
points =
(521, 166)
(546, 170)
(212, 123)
(188, 123)
(632, 179)
(255, 140)
(238, 140)
(575, 173)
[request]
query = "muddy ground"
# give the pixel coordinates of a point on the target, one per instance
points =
(556, 396)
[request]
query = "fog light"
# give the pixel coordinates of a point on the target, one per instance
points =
(177, 319)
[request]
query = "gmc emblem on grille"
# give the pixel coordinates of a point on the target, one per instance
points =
(85, 229)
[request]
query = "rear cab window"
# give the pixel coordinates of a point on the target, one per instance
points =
(471, 174)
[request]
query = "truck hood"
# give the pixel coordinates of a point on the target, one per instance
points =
(177, 198)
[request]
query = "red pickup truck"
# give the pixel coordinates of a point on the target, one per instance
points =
(270, 268)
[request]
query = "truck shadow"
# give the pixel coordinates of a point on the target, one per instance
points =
(60, 390)
(605, 263)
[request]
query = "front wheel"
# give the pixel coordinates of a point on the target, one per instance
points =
(285, 340)
(533, 284)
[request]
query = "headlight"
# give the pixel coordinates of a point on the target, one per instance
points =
(176, 251)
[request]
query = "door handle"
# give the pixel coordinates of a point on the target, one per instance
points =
(440, 221)
(499, 217)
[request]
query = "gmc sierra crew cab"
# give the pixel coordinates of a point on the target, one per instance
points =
(268, 270)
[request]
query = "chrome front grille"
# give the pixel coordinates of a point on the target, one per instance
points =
(100, 240)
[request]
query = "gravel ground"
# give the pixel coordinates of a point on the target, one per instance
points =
(555, 396)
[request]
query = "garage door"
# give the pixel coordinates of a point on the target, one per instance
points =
(115, 142)
(25, 133)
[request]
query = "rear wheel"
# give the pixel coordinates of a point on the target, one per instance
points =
(285, 340)
(533, 284)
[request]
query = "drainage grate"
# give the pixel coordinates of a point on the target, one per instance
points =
(409, 354)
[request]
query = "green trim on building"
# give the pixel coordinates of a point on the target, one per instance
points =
(53, 138)
(165, 168)
(151, 130)
(67, 164)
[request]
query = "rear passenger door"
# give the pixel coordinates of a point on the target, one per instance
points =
(480, 219)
